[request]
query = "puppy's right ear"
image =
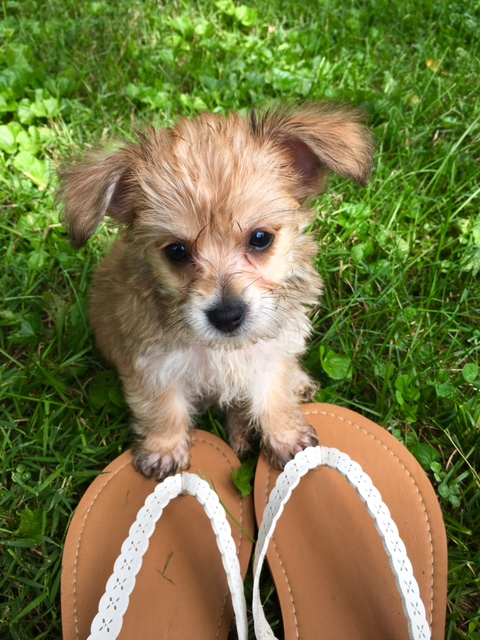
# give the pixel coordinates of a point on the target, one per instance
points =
(99, 185)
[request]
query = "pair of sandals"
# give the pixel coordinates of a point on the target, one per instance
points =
(352, 532)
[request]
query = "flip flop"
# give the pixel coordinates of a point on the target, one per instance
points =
(183, 585)
(332, 573)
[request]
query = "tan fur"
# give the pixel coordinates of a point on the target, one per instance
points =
(228, 324)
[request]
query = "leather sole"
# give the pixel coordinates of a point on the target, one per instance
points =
(330, 569)
(181, 590)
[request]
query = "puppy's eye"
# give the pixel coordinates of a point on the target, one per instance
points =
(176, 252)
(260, 240)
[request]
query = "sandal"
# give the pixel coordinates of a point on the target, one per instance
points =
(333, 577)
(183, 578)
(327, 559)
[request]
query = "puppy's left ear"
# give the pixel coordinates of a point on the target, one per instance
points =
(318, 138)
(93, 188)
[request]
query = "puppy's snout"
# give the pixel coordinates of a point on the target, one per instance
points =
(228, 315)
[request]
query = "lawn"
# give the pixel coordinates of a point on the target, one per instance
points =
(397, 333)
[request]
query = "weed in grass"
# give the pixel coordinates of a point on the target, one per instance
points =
(397, 333)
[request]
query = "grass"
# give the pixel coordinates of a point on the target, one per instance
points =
(397, 333)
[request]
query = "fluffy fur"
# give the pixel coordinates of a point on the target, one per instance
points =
(205, 297)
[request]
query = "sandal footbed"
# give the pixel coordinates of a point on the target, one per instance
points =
(330, 569)
(181, 590)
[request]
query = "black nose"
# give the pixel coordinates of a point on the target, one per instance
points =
(228, 315)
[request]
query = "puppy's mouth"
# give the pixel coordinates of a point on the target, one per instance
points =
(228, 316)
(229, 323)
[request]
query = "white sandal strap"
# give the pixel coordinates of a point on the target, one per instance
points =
(305, 461)
(113, 604)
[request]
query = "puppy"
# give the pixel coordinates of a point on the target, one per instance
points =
(204, 299)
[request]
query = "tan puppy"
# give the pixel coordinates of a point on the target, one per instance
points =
(204, 298)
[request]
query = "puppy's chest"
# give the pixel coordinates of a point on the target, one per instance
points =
(222, 376)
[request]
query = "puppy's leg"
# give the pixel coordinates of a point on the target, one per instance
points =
(305, 388)
(162, 422)
(241, 428)
(275, 408)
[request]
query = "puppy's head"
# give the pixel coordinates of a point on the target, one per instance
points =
(213, 206)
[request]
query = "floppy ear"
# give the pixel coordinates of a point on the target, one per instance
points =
(91, 189)
(318, 138)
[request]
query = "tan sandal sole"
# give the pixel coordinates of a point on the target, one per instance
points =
(181, 591)
(330, 569)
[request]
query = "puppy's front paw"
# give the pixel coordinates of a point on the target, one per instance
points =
(281, 447)
(162, 462)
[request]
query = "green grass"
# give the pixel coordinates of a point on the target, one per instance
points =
(397, 334)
